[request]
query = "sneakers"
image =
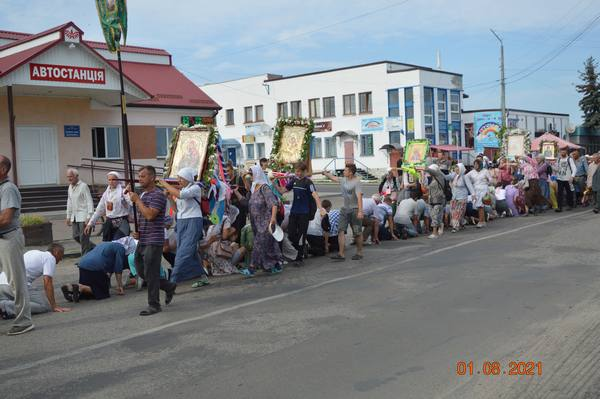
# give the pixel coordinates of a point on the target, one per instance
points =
(18, 330)
(441, 229)
(138, 283)
(75, 293)
(480, 225)
(454, 231)
(66, 293)
(276, 269)
(201, 282)
(247, 272)
(433, 236)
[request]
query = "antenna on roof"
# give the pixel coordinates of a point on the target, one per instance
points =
(438, 60)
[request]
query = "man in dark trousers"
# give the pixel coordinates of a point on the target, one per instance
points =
(151, 207)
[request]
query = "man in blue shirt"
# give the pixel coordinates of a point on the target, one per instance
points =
(95, 269)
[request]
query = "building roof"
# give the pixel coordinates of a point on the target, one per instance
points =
(172, 90)
(410, 67)
(513, 109)
(129, 49)
(535, 144)
(10, 63)
(5, 34)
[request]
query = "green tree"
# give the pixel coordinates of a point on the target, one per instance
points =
(590, 103)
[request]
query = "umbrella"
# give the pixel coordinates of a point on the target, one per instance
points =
(535, 144)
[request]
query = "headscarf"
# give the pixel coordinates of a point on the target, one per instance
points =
(116, 194)
(129, 243)
(117, 175)
(461, 172)
(258, 176)
(187, 174)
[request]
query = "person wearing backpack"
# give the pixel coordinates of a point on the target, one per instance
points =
(480, 179)
(304, 207)
(437, 199)
(565, 170)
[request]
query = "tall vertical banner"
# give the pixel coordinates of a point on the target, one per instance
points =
(487, 126)
(113, 20)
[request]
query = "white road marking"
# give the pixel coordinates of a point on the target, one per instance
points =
(114, 341)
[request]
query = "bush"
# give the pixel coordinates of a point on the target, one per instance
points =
(32, 220)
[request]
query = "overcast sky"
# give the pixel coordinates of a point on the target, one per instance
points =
(229, 39)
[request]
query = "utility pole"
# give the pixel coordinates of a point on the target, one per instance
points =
(502, 81)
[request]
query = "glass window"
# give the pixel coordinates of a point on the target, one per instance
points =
(328, 107)
(250, 151)
(366, 145)
(248, 115)
(106, 142)
(230, 120)
(350, 104)
(282, 110)
(410, 136)
(314, 108)
(260, 150)
(258, 113)
(455, 106)
(330, 147)
(296, 109)
(428, 115)
(442, 101)
(393, 103)
(395, 138)
(364, 103)
(316, 148)
(163, 140)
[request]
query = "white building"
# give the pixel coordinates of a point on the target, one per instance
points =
(356, 109)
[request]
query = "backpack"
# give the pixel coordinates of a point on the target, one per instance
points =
(445, 188)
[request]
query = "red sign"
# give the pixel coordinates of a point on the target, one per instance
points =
(64, 73)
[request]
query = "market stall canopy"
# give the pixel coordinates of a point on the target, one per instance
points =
(230, 143)
(535, 144)
(450, 148)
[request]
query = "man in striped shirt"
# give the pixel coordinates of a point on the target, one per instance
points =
(151, 207)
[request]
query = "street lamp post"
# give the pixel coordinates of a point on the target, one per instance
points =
(502, 80)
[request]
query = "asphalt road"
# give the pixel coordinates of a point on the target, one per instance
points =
(391, 326)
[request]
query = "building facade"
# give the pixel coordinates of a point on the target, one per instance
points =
(357, 110)
(59, 103)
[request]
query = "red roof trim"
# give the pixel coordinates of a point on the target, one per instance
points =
(130, 49)
(5, 34)
(38, 50)
(37, 35)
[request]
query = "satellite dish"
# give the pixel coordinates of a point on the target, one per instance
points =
(570, 129)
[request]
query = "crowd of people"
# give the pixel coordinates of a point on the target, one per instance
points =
(177, 238)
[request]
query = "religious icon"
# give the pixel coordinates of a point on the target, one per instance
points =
(416, 152)
(189, 151)
(548, 149)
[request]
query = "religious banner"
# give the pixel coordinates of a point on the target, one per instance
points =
(487, 126)
(549, 149)
(516, 143)
(192, 147)
(416, 153)
(113, 20)
(291, 143)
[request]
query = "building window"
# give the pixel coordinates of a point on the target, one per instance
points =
(230, 120)
(393, 103)
(250, 151)
(163, 141)
(442, 111)
(296, 109)
(366, 145)
(248, 115)
(314, 106)
(328, 107)
(282, 110)
(350, 104)
(259, 114)
(455, 106)
(428, 114)
(106, 142)
(365, 105)
(260, 150)
(395, 138)
(330, 147)
(316, 148)
(409, 113)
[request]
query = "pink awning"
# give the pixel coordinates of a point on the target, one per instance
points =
(450, 148)
(535, 144)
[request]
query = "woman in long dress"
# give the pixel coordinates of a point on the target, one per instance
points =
(461, 187)
(263, 214)
(481, 179)
(115, 207)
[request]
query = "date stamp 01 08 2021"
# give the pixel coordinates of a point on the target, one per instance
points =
(468, 368)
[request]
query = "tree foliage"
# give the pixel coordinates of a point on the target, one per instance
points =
(590, 89)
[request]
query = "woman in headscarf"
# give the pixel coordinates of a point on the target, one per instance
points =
(437, 200)
(115, 207)
(188, 227)
(461, 187)
(263, 216)
(481, 179)
(222, 250)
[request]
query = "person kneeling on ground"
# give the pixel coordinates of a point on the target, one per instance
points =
(37, 264)
(95, 269)
(384, 213)
(406, 218)
(318, 231)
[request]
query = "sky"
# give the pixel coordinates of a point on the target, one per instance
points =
(230, 39)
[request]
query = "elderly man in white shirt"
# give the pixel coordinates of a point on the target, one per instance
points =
(115, 206)
(37, 264)
(80, 208)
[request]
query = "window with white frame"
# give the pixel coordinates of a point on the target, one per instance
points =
(248, 115)
(296, 109)
(314, 108)
(163, 141)
(250, 151)
(365, 103)
(330, 147)
(106, 142)
(395, 138)
(442, 101)
(328, 107)
(455, 106)
(230, 121)
(428, 114)
(350, 104)
(259, 114)
(316, 148)
(366, 145)
(282, 110)
(260, 150)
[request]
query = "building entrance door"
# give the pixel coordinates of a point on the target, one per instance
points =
(349, 151)
(231, 155)
(37, 155)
